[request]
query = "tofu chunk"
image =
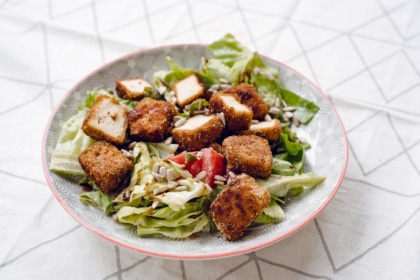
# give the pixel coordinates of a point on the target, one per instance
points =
(106, 120)
(197, 132)
(151, 120)
(188, 89)
(249, 154)
(106, 165)
(132, 88)
(249, 97)
(269, 130)
(238, 116)
(238, 205)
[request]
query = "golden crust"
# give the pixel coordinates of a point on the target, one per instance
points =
(250, 154)
(200, 137)
(126, 93)
(96, 116)
(238, 205)
(151, 120)
(249, 97)
(236, 120)
(271, 133)
(106, 166)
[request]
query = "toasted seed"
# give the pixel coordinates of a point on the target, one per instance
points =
(284, 103)
(223, 81)
(162, 172)
(170, 174)
(157, 176)
(274, 111)
(219, 183)
(199, 112)
(277, 103)
(127, 154)
(231, 174)
(220, 178)
(132, 145)
(222, 117)
(254, 121)
(288, 115)
(224, 86)
(156, 168)
(215, 87)
(289, 109)
(208, 187)
(185, 174)
(267, 118)
(201, 175)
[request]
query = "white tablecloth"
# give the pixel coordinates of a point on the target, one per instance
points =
(364, 54)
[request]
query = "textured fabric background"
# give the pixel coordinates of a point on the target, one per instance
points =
(364, 54)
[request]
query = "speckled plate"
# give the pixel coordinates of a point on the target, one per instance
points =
(328, 156)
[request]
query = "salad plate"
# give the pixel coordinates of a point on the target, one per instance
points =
(327, 156)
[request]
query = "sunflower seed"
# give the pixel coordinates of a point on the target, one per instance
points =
(157, 176)
(269, 76)
(215, 87)
(224, 86)
(127, 154)
(219, 183)
(219, 178)
(132, 145)
(208, 187)
(172, 184)
(156, 168)
(289, 109)
(201, 175)
(185, 174)
(162, 172)
(199, 112)
(274, 111)
(170, 175)
(222, 117)
(288, 115)
(267, 118)
(277, 103)
(231, 174)
(254, 121)
(223, 81)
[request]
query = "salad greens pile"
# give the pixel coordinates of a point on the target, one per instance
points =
(179, 214)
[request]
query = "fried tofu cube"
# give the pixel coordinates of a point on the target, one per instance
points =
(238, 205)
(132, 88)
(249, 154)
(106, 120)
(249, 97)
(151, 120)
(106, 165)
(188, 89)
(197, 132)
(269, 130)
(238, 116)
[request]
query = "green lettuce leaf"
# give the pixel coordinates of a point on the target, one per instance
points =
(280, 185)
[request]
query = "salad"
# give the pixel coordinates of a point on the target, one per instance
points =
(200, 168)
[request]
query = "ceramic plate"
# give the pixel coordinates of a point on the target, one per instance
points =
(328, 156)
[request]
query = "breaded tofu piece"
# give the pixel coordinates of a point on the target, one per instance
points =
(269, 130)
(106, 120)
(106, 165)
(249, 154)
(188, 89)
(151, 120)
(197, 132)
(238, 205)
(250, 98)
(237, 115)
(132, 88)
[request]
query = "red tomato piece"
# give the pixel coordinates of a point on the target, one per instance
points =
(211, 162)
